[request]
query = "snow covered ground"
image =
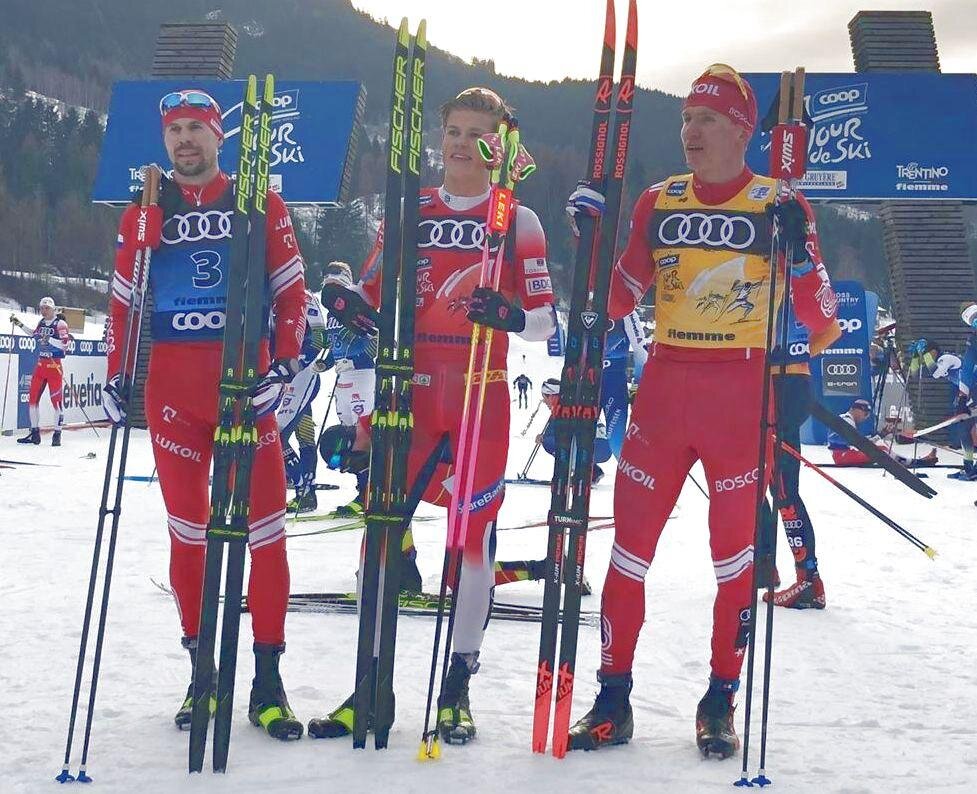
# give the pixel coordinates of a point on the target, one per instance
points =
(877, 693)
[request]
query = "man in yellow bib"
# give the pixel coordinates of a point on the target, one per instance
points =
(704, 240)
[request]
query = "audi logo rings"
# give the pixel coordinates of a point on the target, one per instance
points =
(841, 369)
(697, 228)
(196, 226)
(450, 233)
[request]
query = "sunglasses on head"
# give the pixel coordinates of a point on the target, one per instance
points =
(190, 99)
(723, 71)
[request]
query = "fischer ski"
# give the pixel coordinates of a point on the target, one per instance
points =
(235, 438)
(387, 509)
(575, 422)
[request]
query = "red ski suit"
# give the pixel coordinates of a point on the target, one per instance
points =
(450, 235)
(182, 386)
(706, 247)
(52, 341)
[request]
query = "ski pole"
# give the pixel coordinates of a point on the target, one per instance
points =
(695, 482)
(130, 349)
(529, 424)
(6, 388)
(91, 424)
(929, 551)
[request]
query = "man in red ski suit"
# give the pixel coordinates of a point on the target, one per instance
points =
(704, 240)
(52, 338)
(451, 232)
(190, 231)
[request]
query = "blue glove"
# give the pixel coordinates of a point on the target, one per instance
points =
(584, 201)
(267, 392)
(115, 399)
(918, 347)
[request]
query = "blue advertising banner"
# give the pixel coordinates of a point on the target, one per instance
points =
(311, 152)
(843, 372)
(905, 135)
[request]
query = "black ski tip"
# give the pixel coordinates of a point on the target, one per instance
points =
(359, 744)
(761, 780)
(743, 782)
(65, 776)
(380, 740)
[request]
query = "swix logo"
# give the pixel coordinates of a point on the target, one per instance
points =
(737, 482)
(639, 476)
(141, 224)
(501, 209)
(177, 449)
(787, 153)
(706, 88)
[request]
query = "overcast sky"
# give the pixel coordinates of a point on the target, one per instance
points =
(552, 39)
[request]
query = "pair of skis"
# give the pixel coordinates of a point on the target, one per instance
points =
(575, 422)
(387, 509)
(236, 437)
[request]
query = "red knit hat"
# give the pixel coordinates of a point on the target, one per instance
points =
(721, 88)
(194, 104)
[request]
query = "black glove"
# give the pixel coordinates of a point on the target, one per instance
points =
(793, 228)
(961, 406)
(491, 308)
(115, 398)
(349, 308)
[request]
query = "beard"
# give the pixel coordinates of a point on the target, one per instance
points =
(203, 165)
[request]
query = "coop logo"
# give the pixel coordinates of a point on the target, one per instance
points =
(915, 177)
(737, 482)
(841, 369)
(198, 321)
(850, 326)
(7, 342)
(82, 395)
(187, 453)
(637, 475)
(86, 346)
(27, 343)
(800, 349)
(837, 137)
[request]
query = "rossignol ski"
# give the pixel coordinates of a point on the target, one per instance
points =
(114, 470)
(235, 438)
(387, 510)
(510, 163)
(575, 422)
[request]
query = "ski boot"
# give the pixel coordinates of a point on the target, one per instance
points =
(354, 508)
(766, 572)
(33, 437)
(338, 723)
(611, 720)
(306, 503)
(455, 722)
(410, 576)
(56, 438)
(806, 593)
(268, 708)
(715, 733)
(182, 718)
(967, 474)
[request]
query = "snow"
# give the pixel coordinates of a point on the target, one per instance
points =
(874, 694)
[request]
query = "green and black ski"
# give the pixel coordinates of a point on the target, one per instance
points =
(235, 438)
(387, 509)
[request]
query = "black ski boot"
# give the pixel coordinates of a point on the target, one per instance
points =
(610, 721)
(269, 707)
(182, 717)
(306, 503)
(338, 723)
(455, 722)
(715, 733)
(56, 438)
(410, 576)
(33, 437)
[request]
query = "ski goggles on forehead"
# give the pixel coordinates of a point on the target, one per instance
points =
(488, 93)
(190, 99)
(728, 73)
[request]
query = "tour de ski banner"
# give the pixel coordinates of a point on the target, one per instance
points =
(905, 136)
(84, 367)
(843, 372)
(313, 131)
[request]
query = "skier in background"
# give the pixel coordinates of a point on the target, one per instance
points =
(700, 355)
(523, 384)
(450, 234)
(190, 233)
(845, 455)
(51, 333)
(295, 411)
